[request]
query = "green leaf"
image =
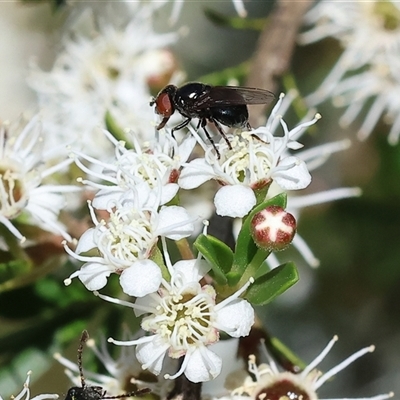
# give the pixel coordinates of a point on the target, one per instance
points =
(13, 269)
(218, 254)
(235, 22)
(272, 284)
(246, 249)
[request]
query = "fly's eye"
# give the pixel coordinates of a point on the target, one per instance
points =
(164, 105)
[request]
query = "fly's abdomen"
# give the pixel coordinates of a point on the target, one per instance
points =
(232, 116)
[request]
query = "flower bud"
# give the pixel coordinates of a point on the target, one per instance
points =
(273, 228)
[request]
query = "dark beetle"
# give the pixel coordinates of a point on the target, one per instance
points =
(226, 105)
(86, 392)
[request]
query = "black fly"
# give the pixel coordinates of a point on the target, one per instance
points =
(226, 105)
(86, 392)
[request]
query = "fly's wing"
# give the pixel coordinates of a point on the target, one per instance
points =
(233, 95)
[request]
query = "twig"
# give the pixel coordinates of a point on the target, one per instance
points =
(274, 51)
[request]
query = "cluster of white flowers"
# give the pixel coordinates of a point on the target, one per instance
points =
(367, 72)
(185, 320)
(103, 76)
(183, 314)
(266, 381)
(103, 71)
(25, 188)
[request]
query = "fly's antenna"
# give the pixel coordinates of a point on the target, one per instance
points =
(84, 338)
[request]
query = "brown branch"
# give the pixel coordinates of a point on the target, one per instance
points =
(274, 50)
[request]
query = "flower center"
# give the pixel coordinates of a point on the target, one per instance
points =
(128, 236)
(12, 193)
(388, 14)
(249, 160)
(183, 320)
(282, 390)
(147, 167)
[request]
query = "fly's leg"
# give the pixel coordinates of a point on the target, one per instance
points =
(203, 123)
(254, 136)
(180, 126)
(220, 130)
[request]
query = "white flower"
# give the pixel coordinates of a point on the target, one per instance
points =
(270, 382)
(107, 71)
(366, 74)
(24, 166)
(154, 166)
(256, 158)
(185, 319)
(356, 24)
(25, 393)
(125, 243)
(122, 373)
(178, 4)
(378, 87)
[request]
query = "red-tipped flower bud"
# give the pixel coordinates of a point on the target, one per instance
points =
(273, 228)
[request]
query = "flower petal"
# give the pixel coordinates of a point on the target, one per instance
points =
(186, 148)
(294, 178)
(203, 365)
(174, 222)
(168, 192)
(236, 318)
(234, 201)
(192, 270)
(195, 174)
(106, 198)
(147, 304)
(227, 350)
(142, 278)
(151, 354)
(86, 241)
(94, 275)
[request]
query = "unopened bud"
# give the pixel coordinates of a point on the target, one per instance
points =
(273, 228)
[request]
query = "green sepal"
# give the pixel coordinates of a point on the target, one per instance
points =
(218, 254)
(157, 257)
(115, 129)
(246, 249)
(274, 283)
(285, 357)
